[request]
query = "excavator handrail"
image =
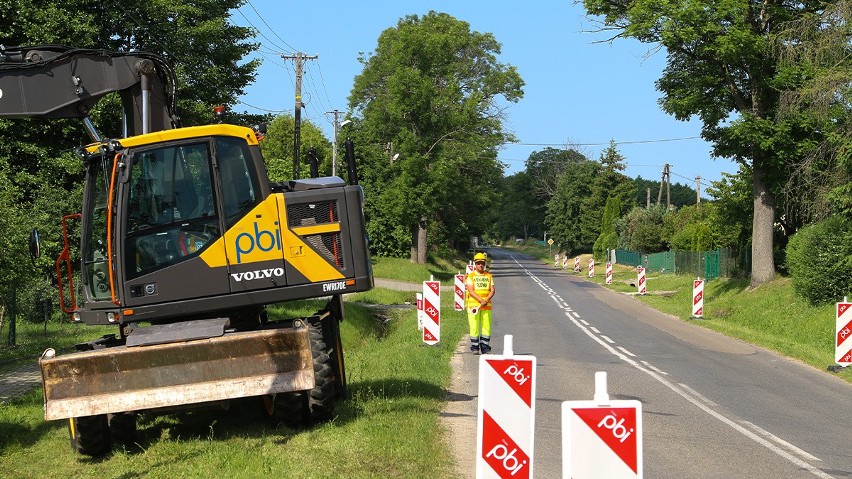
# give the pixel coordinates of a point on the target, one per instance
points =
(109, 229)
(65, 259)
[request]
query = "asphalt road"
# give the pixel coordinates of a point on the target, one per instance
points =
(713, 407)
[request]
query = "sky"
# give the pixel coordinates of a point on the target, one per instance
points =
(580, 91)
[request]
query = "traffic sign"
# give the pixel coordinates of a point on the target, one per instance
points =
(419, 298)
(458, 304)
(843, 348)
(601, 439)
(506, 415)
(550, 241)
(698, 298)
(608, 273)
(431, 312)
(591, 267)
(640, 280)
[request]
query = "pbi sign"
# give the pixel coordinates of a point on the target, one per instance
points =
(602, 440)
(506, 416)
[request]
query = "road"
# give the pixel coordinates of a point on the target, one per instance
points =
(713, 407)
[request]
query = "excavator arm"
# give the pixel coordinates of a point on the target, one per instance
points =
(53, 81)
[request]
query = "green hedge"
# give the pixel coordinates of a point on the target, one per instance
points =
(819, 258)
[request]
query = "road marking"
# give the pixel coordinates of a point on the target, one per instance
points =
(626, 351)
(650, 366)
(681, 390)
(596, 330)
(778, 440)
(698, 395)
(607, 339)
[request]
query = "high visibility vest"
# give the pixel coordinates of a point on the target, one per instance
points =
(481, 285)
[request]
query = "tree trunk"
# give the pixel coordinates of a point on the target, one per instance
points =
(422, 247)
(418, 244)
(762, 264)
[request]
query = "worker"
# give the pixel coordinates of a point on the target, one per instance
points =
(480, 289)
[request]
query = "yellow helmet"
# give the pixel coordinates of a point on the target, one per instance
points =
(479, 257)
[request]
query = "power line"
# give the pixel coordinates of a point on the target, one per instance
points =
(633, 142)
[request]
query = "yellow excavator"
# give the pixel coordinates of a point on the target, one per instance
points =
(183, 242)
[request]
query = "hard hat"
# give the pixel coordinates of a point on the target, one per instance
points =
(479, 257)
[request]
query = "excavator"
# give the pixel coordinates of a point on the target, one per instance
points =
(183, 243)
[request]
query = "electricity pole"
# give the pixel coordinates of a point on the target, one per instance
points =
(297, 134)
(698, 190)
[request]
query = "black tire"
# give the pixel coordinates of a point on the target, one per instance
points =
(122, 428)
(331, 336)
(322, 397)
(90, 435)
(289, 409)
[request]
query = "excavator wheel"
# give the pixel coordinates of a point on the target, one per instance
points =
(122, 428)
(90, 435)
(289, 409)
(331, 337)
(322, 397)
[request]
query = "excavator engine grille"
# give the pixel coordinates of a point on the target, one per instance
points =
(317, 213)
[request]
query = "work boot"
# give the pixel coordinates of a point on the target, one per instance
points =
(474, 344)
(484, 345)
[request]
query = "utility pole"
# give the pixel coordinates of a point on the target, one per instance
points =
(334, 145)
(665, 180)
(297, 134)
(648, 198)
(698, 190)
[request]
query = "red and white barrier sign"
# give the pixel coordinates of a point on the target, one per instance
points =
(431, 312)
(506, 415)
(843, 350)
(640, 280)
(608, 273)
(698, 298)
(565, 262)
(591, 267)
(556, 260)
(470, 267)
(458, 304)
(577, 264)
(420, 312)
(601, 439)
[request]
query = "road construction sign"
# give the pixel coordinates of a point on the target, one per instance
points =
(506, 415)
(431, 312)
(843, 345)
(602, 441)
(458, 303)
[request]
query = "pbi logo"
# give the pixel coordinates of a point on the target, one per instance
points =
(263, 240)
(506, 458)
(517, 374)
(616, 425)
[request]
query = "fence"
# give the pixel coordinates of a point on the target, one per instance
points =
(723, 262)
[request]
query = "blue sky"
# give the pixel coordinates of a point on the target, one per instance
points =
(578, 92)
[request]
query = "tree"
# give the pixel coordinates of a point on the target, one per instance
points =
(816, 73)
(430, 93)
(547, 166)
(609, 182)
(721, 67)
(608, 238)
(519, 214)
(642, 229)
(277, 148)
(564, 210)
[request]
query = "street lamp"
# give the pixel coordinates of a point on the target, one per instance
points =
(334, 149)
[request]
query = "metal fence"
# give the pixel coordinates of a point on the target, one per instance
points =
(723, 262)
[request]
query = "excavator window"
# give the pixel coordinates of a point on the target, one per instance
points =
(171, 214)
(240, 192)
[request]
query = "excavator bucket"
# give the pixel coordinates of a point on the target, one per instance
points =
(122, 379)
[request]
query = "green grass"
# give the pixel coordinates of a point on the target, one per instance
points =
(404, 270)
(770, 316)
(388, 426)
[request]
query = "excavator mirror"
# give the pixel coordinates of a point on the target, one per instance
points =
(35, 244)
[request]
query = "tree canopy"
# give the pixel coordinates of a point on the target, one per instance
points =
(722, 68)
(430, 95)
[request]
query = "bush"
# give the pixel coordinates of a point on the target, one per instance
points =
(819, 258)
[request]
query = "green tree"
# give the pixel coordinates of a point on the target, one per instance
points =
(722, 68)
(642, 229)
(608, 237)
(519, 214)
(545, 167)
(564, 209)
(430, 93)
(277, 148)
(816, 69)
(609, 182)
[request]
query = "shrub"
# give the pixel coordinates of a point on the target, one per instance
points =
(819, 258)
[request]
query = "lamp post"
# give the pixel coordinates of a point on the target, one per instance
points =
(334, 146)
